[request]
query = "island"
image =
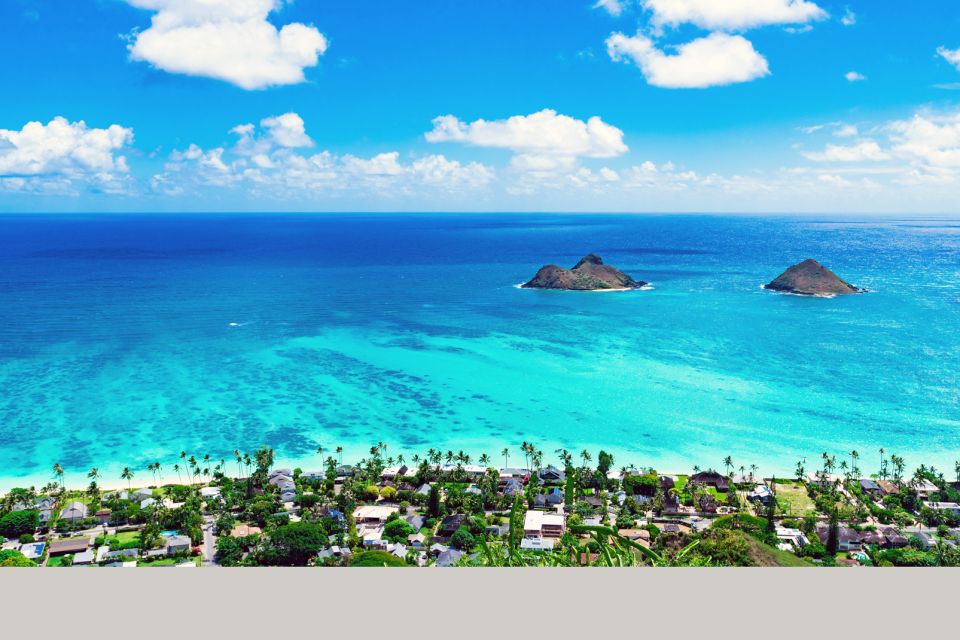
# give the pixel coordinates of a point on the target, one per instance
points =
(810, 278)
(590, 274)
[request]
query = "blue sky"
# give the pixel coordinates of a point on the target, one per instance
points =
(630, 105)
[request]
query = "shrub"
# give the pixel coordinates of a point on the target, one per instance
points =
(462, 539)
(26, 538)
(293, 545)
(388, 493)
(11, 558)
(397, 530)
(371, 492)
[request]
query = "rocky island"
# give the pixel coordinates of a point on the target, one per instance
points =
(810, 278)
(590, 274)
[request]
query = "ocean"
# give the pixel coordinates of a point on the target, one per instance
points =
(125, 339)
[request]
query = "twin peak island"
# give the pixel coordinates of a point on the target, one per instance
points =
(809, 278)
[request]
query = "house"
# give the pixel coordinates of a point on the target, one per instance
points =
(670, 503)
(74, 511)
(103, 516)
(120, 555)
(116, 495)
(540, 524)
(142, 494)
(449, 558)
(551, 498)
(398, 549)
(888, 488)
(313, 476)
(791, 539)
(473, 489)
(871, 488)
(641, 536)
(392, 473)
(436, 548)
(950, 508)
(537, 544)
(512, 473)
(84, 557)
(178, 544)
(449, 525)
(417, 540)
(373, 514)
(925, 489)
(551, 474)
(32, 550)
(415, 522)
(711, 479)
(210, 493)
(893, 539)
(424, 489)
(69, 545)
(149, 502)
(346, 471)
(513, 487)
(847, 539)
(760, 494)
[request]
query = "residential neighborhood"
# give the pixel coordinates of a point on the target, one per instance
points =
(442, 510)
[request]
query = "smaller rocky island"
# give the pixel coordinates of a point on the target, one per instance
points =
(810, 278)
(590, 274)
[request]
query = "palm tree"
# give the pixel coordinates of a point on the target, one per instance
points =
(94, 475)
(882, 463)
(128, 476)
(320, 451)
(58, 473)
(506, 457)
(485, 460)
(176, 467)
(799, 470)
(340, 454)
(728, 463)
(585, 456)
(753, 471)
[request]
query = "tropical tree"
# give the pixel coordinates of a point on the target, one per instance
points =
(506, 456)
(58, 474)
(127, 475)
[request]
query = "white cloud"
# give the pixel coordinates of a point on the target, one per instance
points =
(865, 150)
(613, 7)
(928, 140)
(266, 160)
(854, 76)
(950, 55)
(849, 18)
(63, 155)
(846, 131)
(229, 40)
(542, 141)
(714, 60)
(732, 15)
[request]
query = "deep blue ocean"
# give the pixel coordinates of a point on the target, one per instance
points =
(125, 339)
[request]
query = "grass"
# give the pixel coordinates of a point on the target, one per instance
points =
(793, 499)
(57, 561)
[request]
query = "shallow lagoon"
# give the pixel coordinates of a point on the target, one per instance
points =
(125, 339)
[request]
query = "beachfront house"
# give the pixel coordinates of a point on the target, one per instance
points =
(74, 511)
(551, 474)
(711, 479)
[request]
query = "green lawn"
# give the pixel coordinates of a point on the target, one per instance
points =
(793, 499)
(57, 561)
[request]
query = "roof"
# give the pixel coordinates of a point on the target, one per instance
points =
(373, 512)
(545, 544)
(178, 541)
(535, 520)
(84, 557)
(244, 530)
(69, 545)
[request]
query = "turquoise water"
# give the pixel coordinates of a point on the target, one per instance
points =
(126, 339)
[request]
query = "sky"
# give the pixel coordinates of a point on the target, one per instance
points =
(753, 106)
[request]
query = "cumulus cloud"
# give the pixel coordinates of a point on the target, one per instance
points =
(63, 156)
(715, 60)
(849, 18)
(229, 40)
(268, 161)
(931, 140)
(732, 15)
(864, 150)
(613, 7)
(950, 55)
(542, 141)
(854, 76)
